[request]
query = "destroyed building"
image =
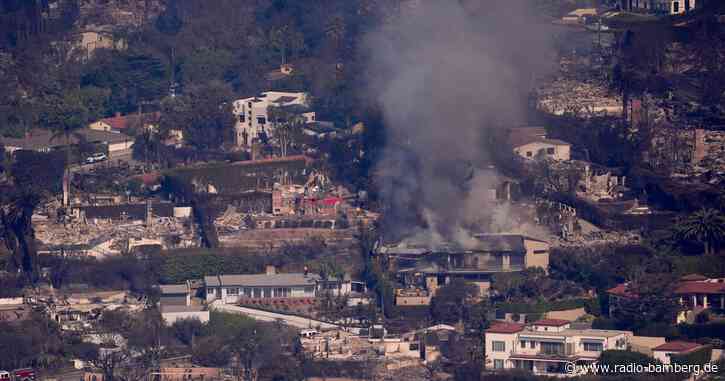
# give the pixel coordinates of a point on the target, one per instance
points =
(100, 231)
(422, 266)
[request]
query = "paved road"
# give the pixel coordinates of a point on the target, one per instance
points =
(292, 321)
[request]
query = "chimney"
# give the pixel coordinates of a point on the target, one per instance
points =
(271, 270)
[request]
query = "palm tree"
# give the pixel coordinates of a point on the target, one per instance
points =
(287, 127)
(706, 226)
(65, 116)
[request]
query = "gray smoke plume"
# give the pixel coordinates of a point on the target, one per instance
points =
(444, 74)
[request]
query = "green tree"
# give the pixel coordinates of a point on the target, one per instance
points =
(655, 302)
(203, 112)
(286, 127)
(451, 302)
(65, 115)
(706, 226)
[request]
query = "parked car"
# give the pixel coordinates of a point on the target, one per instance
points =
(96, 157)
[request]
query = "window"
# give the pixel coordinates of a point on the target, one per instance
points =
(552, 348)
(497, 364)
(550, 151)
(532, 344)
(248, 292)
(309, 290)
(675, 7)
(499, 346)
(267, 292)
(241, 118)
(257, 292)
(593, 347)
(261, 120)
(233, 291)
(523, 343)
(529, 154)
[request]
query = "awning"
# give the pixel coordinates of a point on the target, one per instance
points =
(543, 339)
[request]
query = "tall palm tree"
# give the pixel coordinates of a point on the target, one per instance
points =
(706, 226)
(287, 127)
(66, 115)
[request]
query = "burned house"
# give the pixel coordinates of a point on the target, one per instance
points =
(428, 267)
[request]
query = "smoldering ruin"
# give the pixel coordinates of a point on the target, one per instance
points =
(444, 79)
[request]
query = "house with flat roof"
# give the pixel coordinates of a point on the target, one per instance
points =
(548, 346)
(270, 285)
(175, 304)
(252, 114)
(274, 285)
(428, 267)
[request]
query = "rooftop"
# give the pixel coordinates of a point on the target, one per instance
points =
(484, 242)
(174, 288)
(677, 346)
(176, 308)
(262, 280)
(123, 122)
(700, 287)
(37, 139)
(552, 322)
(505, 328)
(569, 332)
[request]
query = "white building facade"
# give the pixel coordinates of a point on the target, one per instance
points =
(548, 347)
(252, 114)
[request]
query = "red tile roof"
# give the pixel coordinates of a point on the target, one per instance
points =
(692, 277)
(505, 328)
(677, 346)
(552, 322)
(622, 290)
(121, 122)
(700, 288)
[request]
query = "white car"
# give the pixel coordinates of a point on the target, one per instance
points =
(96, 157)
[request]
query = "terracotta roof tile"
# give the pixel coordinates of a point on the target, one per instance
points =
(700, 288)
(505, 328)
(552, 322)
(677, 346)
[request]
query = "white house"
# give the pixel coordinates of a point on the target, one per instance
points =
(233, 288)
(273, 285)
(547, 346)
(536, 148)
(175, 304)
(252, 114)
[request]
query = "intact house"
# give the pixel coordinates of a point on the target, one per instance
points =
(94, 37)
(547, 346)
(424, 268)
(273, 285)
(175, 304)
(532, 143)
(125, 123)
(664, 352)
(40, 140)
(535, 148)
(135, 123)
(668, 7)
(252, 114)
(696, 293)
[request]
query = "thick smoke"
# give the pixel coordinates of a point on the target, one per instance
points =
(444, 74)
